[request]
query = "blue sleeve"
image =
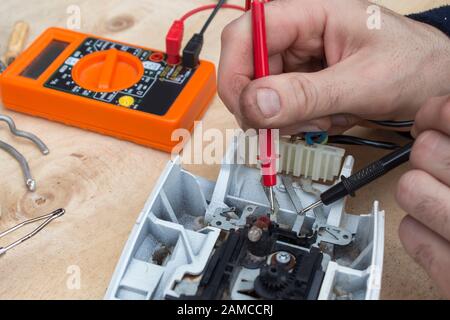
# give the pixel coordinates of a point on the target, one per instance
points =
(439, 18)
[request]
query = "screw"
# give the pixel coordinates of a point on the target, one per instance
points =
(283, 257)
(255, 234)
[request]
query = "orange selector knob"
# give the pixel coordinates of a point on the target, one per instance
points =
(108, 71)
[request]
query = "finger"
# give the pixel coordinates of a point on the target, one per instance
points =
(231, 92)
(431, 153)
(434, 115)
(286, 99)
(426, 200)
(342, 122)
(428, 249)
(282, 24)
(332, 125)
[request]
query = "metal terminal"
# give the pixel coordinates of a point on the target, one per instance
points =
(223, 218)
(312, 207)
(272, 201)
(274, 206)
(334, 235)
(230, 213)
(29, 181)
(283, 257)
(288, 184)
(47, 220)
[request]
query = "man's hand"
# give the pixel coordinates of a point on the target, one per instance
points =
(329, 69)
(424, 193)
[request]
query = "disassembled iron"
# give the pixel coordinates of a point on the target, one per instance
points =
(47, 220)
(29, 181)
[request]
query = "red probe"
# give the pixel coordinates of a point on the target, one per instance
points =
(267, 155)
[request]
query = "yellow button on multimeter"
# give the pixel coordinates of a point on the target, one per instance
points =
(126, 101)
(108, 87)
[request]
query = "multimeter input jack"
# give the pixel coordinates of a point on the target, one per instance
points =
(157, 57)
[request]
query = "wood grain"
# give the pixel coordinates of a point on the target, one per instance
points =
(103, 182)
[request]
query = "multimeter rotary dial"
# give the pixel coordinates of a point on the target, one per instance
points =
(108, 71)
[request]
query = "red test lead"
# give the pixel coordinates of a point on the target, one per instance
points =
(268, 157)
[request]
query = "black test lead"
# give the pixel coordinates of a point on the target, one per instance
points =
(348, 186)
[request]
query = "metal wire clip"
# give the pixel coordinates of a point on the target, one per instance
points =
(47, 219)
(29, 181)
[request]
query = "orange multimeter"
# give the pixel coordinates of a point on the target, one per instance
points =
(113, 88)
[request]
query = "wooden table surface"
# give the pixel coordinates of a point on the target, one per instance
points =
(103, 183)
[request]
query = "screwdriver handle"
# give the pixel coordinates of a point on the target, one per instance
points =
(16, 41)
(348, 186)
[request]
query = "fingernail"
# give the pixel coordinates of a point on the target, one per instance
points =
(268, 102)
(340, 121)
(309, 128)
(414, 132)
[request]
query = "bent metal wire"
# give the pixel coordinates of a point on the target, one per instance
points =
(29, 181)
(48, 218)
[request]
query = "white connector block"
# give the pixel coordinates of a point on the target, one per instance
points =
(318, 162)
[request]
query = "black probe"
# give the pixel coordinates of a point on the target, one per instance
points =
(348, 186)
(191, 53)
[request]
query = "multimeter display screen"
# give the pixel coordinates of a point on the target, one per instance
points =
(44, 59)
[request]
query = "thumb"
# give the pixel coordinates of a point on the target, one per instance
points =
(284, 100)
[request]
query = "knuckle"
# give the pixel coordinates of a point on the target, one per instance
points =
(229, 87)
(411, 197)
(405, 188)
(247, 110)
(422, 205)
(228, 31)
(430, 210)
(305, 96)
(247, 101)
(422, 253)
(404, 230)
(424, 149)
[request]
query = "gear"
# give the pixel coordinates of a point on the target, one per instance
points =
(274, 277)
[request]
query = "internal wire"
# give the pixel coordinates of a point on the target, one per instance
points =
(351, 140)
(394, 124)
